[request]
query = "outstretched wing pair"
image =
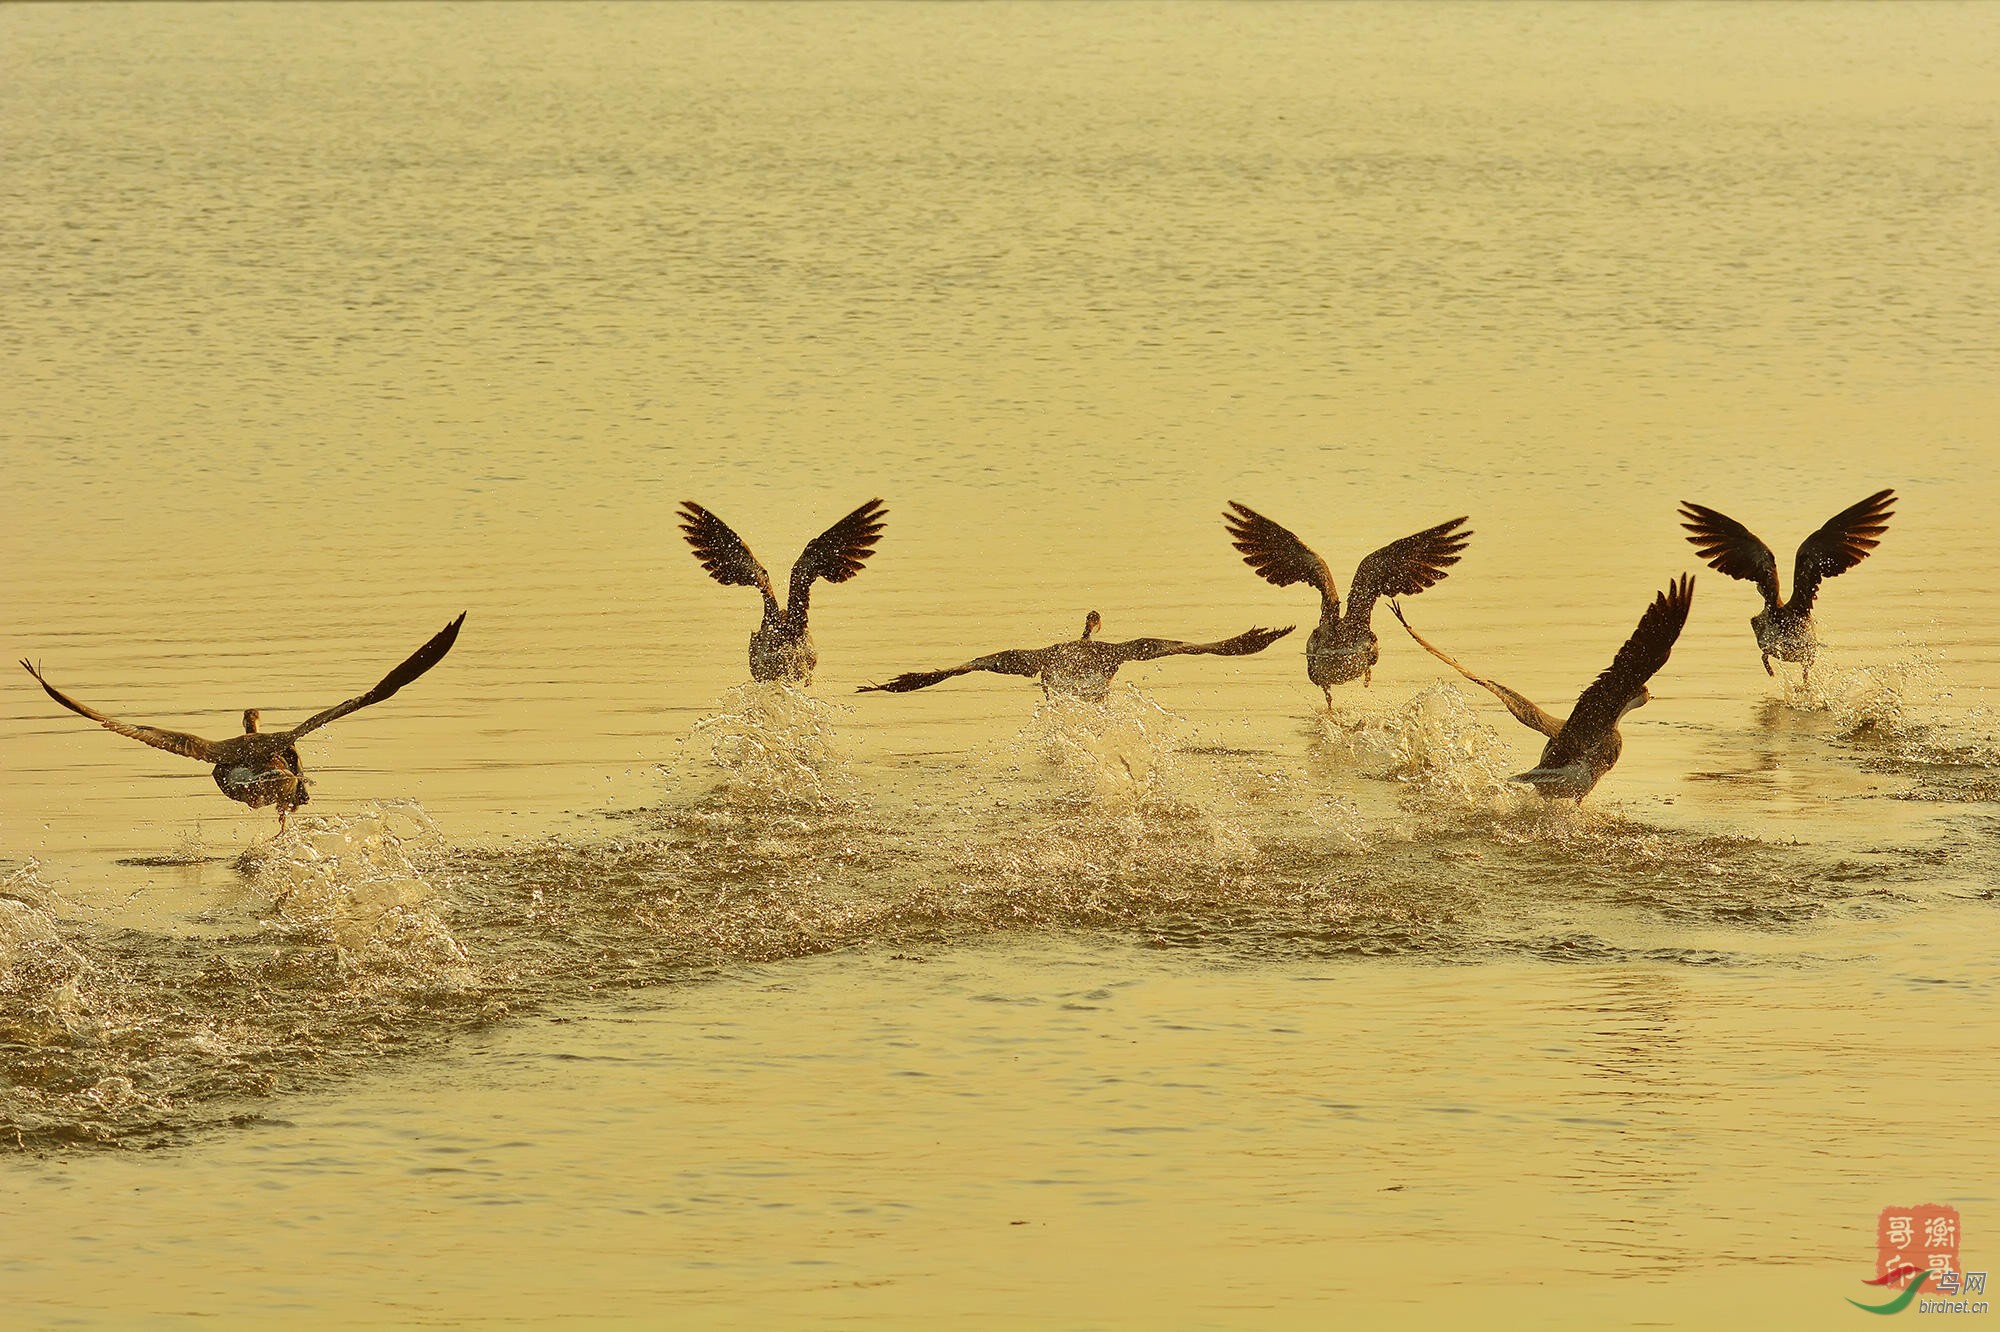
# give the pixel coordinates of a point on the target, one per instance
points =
(1400, 569)
(210, 751)
(1032, 662)
(1842, 542)
(836, 554)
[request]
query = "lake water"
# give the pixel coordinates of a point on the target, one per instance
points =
(597, 985)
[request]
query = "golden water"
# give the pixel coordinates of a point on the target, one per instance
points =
(596, 984)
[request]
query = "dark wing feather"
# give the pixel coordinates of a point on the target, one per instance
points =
(1406, 567)
(425, 657)
(1018, 661)
(838, 553)
(1524, 709)
(1598, 707)
(1843, 542)
(174, 742)
(1245, 643)
(1278, 556)
(1731, 548)
(720, 550)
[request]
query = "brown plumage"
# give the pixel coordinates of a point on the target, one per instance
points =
(1784, 629)
(262, 768)
(782, 648)
(1344, 647)
(1584, 746)
(1083, 667)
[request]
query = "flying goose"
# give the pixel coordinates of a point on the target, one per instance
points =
(1784, 629)
(257, 767)
(1584, 747)
(782, 647)
(1344, 647)
(1083, 667)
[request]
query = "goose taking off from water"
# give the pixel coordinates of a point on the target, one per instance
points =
(1584, 747)
(1344, 647)
(1784, 629)
(782, 647)
(1083, 667)
(257, 767)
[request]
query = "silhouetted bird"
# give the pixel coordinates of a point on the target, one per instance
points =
(1784, 629)
(1083, 667)
(262, 768)
(782, 647)
(1584, 747)
(1344, 647)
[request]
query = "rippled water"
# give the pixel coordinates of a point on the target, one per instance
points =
(600, 981)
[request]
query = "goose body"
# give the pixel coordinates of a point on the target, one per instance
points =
(1585, 745)
(262, 768)
(1784, 628)
(1083, 667)
(1342, 646)
(782, 646)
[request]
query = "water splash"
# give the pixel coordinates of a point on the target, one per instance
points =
(1885, 698)
(776, 748)
(1893, 715)
(355, 884)
(1437, 746)
(1117, 754)
(45, 984)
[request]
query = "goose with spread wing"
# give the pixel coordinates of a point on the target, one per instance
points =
(1343, 647)
(1784, 629)
(1583, 747)
(257, 767)
(782, 648)
(1082, 667)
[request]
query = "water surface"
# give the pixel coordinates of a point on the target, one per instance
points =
(593, 982)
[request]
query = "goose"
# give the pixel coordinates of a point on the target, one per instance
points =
(1784, 629)
(782, 648)
(257, 767)
(1343, 647)
(1585, 746)
(1082, 667)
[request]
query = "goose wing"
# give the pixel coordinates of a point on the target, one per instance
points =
(1278, 556)
(425, 657)
(1731, 548)
(174, 742)
(838, 553)
(1406, 567)
(1524, 708)
(1017, 661)
(1245, 643)
(1598, 708)
(1840, 544)
(720, 550)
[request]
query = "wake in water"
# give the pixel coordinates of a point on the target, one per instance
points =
(123, 1036)
(368, 936)
(1891, 717)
